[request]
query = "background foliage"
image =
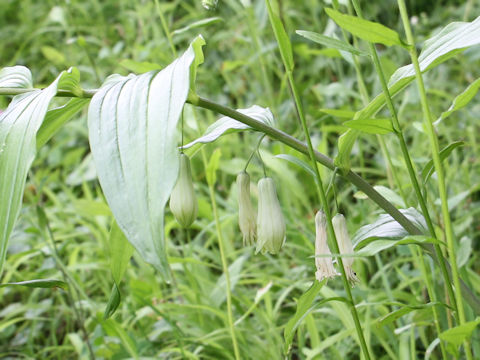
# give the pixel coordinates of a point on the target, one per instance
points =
(242, 67)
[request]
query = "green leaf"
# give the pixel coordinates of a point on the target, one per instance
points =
(459, 334)
(138, 67)
(39, 283)
(197, 24)
(451, 40)
(461, 100)
(16, 77)
(212, 166)
(113, 302)
(112, 328)
(347, 114)
(298, 162)
(133, 137)
(405, 309)
(364, 29)
(226, 125)
(19, 124)
(371, 126)
(375, 246)
(429, 168)
(330, 42)
(283, 40)
(345, 146)
(57, 117)
(304, 306)
(53, 55)
(120, 252)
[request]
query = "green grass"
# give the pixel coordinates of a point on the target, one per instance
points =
(189, 318)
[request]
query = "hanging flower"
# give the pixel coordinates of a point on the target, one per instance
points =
(270, 223)
(324, 264)
(247, 218)
(183, 202)
(345, 246)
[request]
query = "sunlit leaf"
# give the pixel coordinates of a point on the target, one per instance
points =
(39, 283)
(133, 136)
(283, 40)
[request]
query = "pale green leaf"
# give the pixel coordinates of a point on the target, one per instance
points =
(120, 252)
(345, 145)
(405, 309)
(226, 125)
(212, 167)
(462, 100)
(429, 168)
(197, 24)
(133, 137)
(364, 29)
(330, 42)
(16, 77)
(347, 114)
(139, 67)
(459, 334)
(19, 124)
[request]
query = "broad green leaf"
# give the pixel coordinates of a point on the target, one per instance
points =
(16, 77)
(452, 39)
(330, 42)
(347, 114)
(459, 334)
(226, 125)
(405, 309)
(304, 306)
(364, 29)
(57, 117)
(283, 40)
(461, 100)
(133, 137)
(345, 146)
(138, 67)
(371, 126)
(19, 124)
(375, 246)
(39, 283)
(429, 169)
(212, 167)
(385, 227)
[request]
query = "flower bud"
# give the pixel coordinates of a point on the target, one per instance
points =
(247, 218)
(270, 223)
(345, 246)
(324, 264)
(183, 202)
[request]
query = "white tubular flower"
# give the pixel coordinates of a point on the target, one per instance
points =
(324, 264)
(345, 246)
(183, 202)
(270, 223)
(247, 218)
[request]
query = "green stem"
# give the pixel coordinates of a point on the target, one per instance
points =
(427, 116)
(403, 145)
(225, 271)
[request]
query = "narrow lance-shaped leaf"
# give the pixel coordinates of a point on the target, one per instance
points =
(133, 137)
(19, 124)
(429, 169)
(461, 100)
(364, 29)
(330, 42)
(282, 38)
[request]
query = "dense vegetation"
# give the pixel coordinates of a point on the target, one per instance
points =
(64, 231)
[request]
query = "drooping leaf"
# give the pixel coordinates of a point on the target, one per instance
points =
(304, 306)
(283, 40)
(452, 39)
(461, 100)
(57, 117)
(364, 29)
(429, 168)
(385, 227)
(371, 126)
(226, 125)
(133, 137)
(459, 334)
(16, 77)
(330, 42)
(19, 124)
(405, 309)
(39, 283)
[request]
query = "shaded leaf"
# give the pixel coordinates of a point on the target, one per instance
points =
(405, 309)
(459, 334)
(330, 42)
(348, 114)
(197, 24)
(461, 100)
(133, 137)
(345, 146)
(39, 283)
(226, 125)
(113, 302)
(364, 29)
(429, 168)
